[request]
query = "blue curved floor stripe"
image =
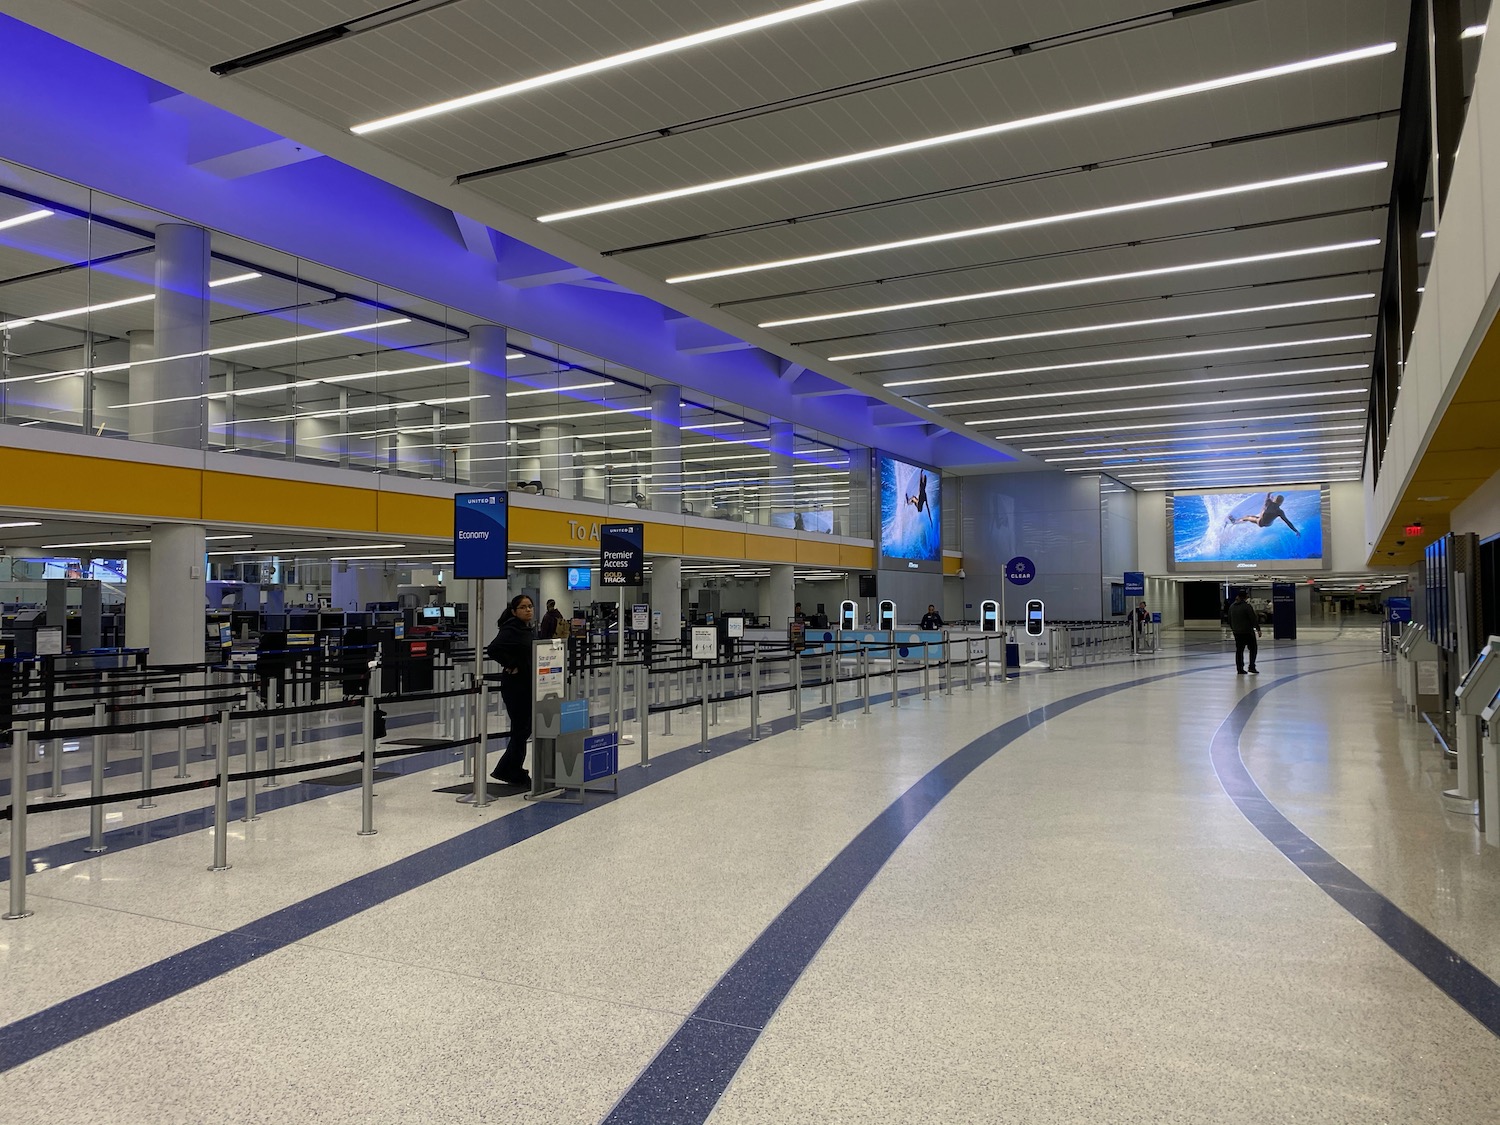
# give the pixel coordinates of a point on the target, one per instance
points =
(1465, 984)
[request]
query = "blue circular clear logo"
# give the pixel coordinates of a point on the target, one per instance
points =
(1020, 570)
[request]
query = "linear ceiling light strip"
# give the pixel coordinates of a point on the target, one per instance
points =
(1155, 458)
(1147, 322)
(625, 58)
(1164, 406)
(1115, 361)
(995, 129)
(1187, 438)
(1079, 282)
(1041, 221)
(332, 34)
(1132, 387)
(1178, 423)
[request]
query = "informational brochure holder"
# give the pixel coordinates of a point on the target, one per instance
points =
(568, 757)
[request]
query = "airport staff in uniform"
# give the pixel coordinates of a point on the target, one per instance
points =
(1244, 623)
(932, 619)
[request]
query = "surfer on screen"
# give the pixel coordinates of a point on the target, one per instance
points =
(919, 501)
(1268, 515)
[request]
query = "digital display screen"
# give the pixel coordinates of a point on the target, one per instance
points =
(580, 578)
(911, 515)
(450, 611)
(432, 611)
(819, 521)
(1276, 525)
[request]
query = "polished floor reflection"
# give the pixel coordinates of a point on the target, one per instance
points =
(1057, 900)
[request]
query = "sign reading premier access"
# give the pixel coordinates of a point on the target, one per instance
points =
(622, 554)
(480, 535)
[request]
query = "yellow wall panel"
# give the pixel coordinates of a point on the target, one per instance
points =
(811, 552)
(952, 565)
(231, 498)
(857, 556)
(96, 485)
(770, 548)
(713, 544)
(399, 513)
(663, 539)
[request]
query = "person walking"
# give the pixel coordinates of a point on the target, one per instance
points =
(1244, 623)
(512, 650)
(551, 622)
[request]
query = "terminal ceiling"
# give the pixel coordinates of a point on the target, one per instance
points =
(1179, 377)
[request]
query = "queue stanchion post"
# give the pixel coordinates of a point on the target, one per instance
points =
(98, 753)
(252, 756)
(367, 765)
(864, 674)
(643, 716)
(797, 690)
(926, 671)
(19, 791)
(968, 666)
(148, 763)
(221, 794)
(467, 727)
(703, 710)
(55, 752)
(182, 770)
(895, 675)
(755, 694)
(481, 749)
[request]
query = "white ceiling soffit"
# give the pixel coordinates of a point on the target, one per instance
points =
(1125, 267)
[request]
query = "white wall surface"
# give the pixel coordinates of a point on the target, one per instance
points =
(1461, 299)
(1480, 513)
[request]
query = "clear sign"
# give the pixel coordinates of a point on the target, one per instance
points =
(1020, 570)
(705, 642)
(640, 617)
(622, 554)
(480, 534)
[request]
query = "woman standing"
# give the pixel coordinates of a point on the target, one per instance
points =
(512, 650)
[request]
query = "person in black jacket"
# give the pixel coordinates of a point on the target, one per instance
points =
(512, 650)
(932, 619)
(1244, 623)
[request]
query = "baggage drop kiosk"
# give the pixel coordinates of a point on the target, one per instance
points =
(886, 623)
(1478, 687)
(1489, 804)
(848, 617)
(989, 617)
(566, 755)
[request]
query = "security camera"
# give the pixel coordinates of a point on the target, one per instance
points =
(961, 573)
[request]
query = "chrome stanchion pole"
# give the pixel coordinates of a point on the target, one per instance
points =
(754, 695)
(481, 749)
(968, 667)
(221, 795)
(927, 670)
(797, 690)
(895, 676)
(864, 675)
(252, 754)
(703, 711)
(96, 783)
(182, 770)
(19, 791)
(55, 749)
(643, 716)
(367, 767)
(148, 761)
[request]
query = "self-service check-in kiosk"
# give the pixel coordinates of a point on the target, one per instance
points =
(1489, 805)
(848, 616)
(1418, 670)
(887, 619)
(1036, 618)
(989, 617)
(1479, 685)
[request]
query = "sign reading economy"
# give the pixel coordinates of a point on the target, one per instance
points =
(480, 534)
(622, 554)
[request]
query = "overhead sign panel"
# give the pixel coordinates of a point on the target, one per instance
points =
(480, 534)
(622, 554)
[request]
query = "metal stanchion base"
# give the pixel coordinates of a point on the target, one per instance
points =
(97, 851)
(17, 917)
(226, 867)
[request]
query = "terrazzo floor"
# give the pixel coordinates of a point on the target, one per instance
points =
(1023, 903)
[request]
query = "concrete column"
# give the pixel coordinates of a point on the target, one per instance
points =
(781, 594)
(666, 596)
(138, 599)
(559, 466)
(780, 478)
(666, 451)
(489, 432)
(177, 594)
(552, 582)
(356, 585)
(181, 321)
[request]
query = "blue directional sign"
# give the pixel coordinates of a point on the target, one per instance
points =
(1020, 570)
(1399, 610)
(1135, 583)
(480, 534)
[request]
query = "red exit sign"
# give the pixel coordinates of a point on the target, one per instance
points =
(1413, 531)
